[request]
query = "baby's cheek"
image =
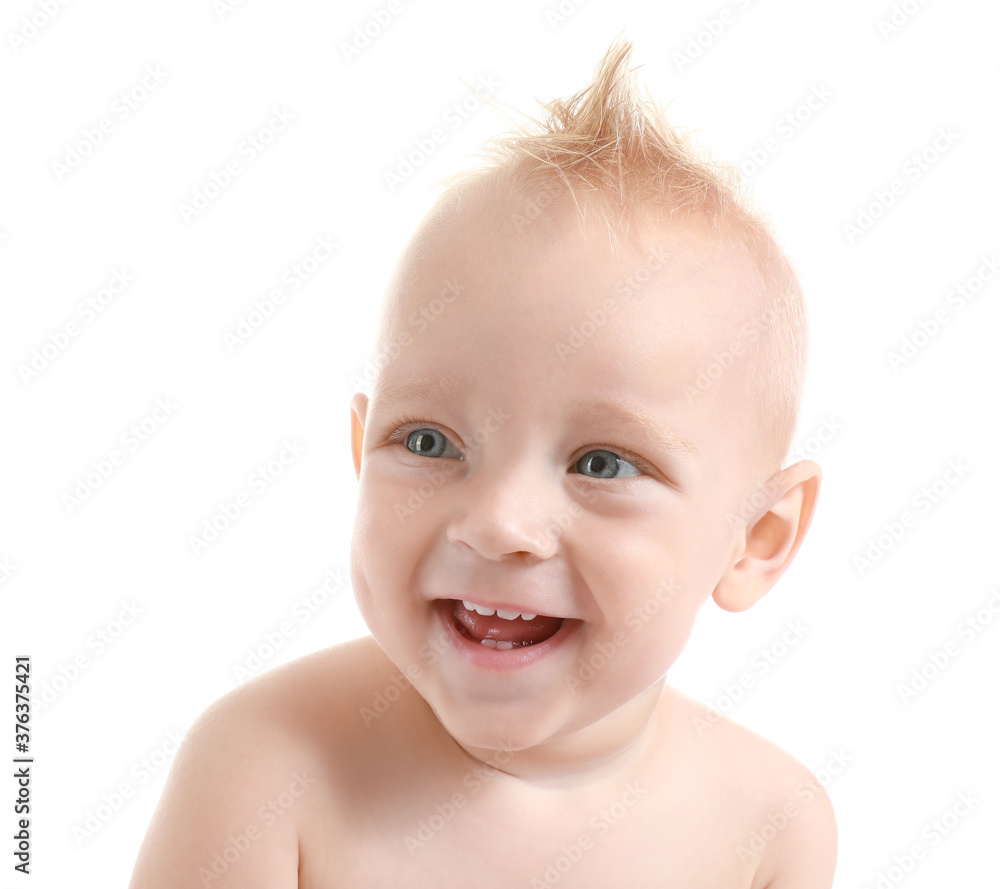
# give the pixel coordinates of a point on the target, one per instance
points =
(374, 564)
(383, 518)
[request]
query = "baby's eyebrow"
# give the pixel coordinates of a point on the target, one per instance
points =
(595, 413)
(637, 421)
(422, 389)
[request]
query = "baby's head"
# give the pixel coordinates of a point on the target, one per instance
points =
(590, 361)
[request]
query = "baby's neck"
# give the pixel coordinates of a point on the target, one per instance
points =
(610, 751)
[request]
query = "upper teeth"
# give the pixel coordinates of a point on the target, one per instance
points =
(506, 615)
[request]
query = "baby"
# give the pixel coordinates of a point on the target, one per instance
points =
(597, 357)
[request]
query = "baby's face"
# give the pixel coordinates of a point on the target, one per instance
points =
(532, 449)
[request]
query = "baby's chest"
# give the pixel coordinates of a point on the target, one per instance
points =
(463, 846)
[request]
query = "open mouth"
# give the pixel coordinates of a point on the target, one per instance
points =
(502, 630)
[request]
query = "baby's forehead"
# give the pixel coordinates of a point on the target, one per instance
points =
(509, 224)
(478, 260)
(471, 268)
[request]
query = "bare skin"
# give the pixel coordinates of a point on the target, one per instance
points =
(414, 754)
(673, 812)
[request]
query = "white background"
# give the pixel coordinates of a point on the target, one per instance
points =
(69, 572)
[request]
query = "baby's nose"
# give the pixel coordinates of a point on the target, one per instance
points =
(508, 509)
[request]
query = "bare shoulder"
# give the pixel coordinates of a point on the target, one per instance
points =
(785, 831)
(255, 775)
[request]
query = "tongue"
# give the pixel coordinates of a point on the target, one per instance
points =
(517, 631)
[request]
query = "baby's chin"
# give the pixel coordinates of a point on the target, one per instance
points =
(561, 731)
(487, 729)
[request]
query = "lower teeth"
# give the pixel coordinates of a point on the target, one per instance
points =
(500, 645)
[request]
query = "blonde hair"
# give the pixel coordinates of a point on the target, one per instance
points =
(611, 145)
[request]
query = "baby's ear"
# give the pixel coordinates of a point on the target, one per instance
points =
(359, 407)
(773, 536)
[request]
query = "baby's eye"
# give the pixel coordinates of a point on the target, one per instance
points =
(430, 443)
(605, 464)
